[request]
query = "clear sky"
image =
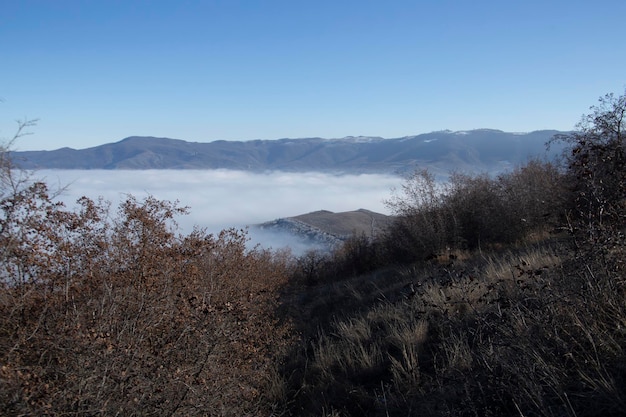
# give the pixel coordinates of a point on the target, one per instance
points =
(95, 72)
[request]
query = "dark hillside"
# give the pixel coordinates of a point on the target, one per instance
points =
(496, 296)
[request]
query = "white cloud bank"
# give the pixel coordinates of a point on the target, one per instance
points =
(220, 199)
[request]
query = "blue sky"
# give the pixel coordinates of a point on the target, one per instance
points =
(95, 72)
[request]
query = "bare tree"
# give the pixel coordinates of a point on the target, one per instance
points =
(10, 178)
(596, 162)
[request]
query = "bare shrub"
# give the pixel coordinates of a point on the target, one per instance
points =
(472, 211)
(478, 206)
(535, 195)
(424, 225)
(596, 164)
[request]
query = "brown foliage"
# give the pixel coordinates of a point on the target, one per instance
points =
(118, 315)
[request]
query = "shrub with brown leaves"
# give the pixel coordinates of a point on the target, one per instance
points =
(118, 315)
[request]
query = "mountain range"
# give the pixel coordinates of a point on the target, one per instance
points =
(474, 150)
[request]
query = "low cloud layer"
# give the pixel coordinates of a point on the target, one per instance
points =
(220, 199)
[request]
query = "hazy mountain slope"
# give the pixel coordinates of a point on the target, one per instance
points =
(482, 149)
(324, 229)
(346, 223)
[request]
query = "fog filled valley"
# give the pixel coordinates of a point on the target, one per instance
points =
(484, 294)
(222, 199)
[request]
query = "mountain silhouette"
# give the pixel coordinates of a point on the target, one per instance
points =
(474, 150)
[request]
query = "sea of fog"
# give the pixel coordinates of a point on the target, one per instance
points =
(219, 199)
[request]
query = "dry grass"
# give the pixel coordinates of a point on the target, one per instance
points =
(531, 331)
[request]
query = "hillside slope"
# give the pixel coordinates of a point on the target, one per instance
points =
(326, 229)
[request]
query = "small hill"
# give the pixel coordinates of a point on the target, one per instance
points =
(347, 223)
(326, 229)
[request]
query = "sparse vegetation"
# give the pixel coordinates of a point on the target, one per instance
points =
(473, 212)
(488, 296)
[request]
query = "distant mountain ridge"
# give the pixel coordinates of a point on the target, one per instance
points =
(482, 149)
